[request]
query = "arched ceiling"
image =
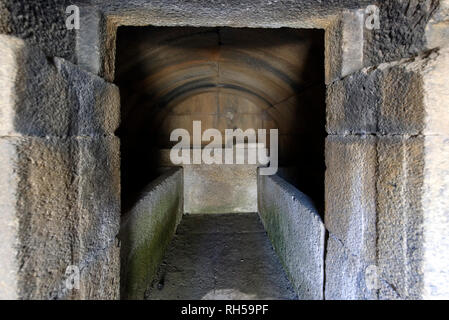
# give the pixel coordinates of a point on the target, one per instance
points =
(160, 67)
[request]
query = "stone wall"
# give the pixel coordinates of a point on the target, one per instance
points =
(60, 187)
(296, 233)
(387, 169)
(146, 231)
(386, 180)
(217, 188)
(41, 24)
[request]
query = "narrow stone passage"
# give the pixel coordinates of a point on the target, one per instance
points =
(220, 256)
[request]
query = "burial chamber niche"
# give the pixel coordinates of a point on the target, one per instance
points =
(227, 78)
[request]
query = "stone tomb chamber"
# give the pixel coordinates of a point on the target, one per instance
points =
(93, 206)
(224, 78)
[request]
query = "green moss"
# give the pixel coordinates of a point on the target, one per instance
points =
(157, 228)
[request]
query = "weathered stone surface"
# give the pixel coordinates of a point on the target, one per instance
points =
(217, 188)
(42, 209)
(400, 216)
(52, 220)
(401, 33)
(350, 193)
(99, 217)
(52, 98)
(146, 231)
(350, 107)
(405, 97)
(412, 216)
(437, 30)
(100, 277)
(296, 232)
(435, 202)
(220, 188)
(246, 13)
(10, 226)
(95, 43)
(94, 104)
(399, 227)
(345, 274)
(41, 24)
(98, 192)
(344, 45)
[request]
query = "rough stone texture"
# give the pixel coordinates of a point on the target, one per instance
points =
(39, 23)
(41, 211)
(100, 279)
(345, 273)
(146, 231)
(253, 14)
(220, 188)
(404, 97)
(344, 45)
(350, 193)
(401, 33)
(400, 216)
(296, 232)
(398, 225)
(52, 197)
(437, 30)
(52, 98)
(350, 217)
(407, 28)
(246, 13)
(225, 256)
(412, 216)
(435, 203)
(95, 43)
(217, 188)
(61, 179)
(10, 226)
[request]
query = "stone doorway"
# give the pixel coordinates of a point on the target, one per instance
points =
(386, 185)
(226, 78)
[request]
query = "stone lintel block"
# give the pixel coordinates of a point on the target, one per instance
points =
(404, 97)
(350, 193)
(345, 274)
(53, 217)
(42, 97)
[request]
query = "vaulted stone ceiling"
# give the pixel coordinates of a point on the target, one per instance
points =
(157, 68)
(228, 78)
